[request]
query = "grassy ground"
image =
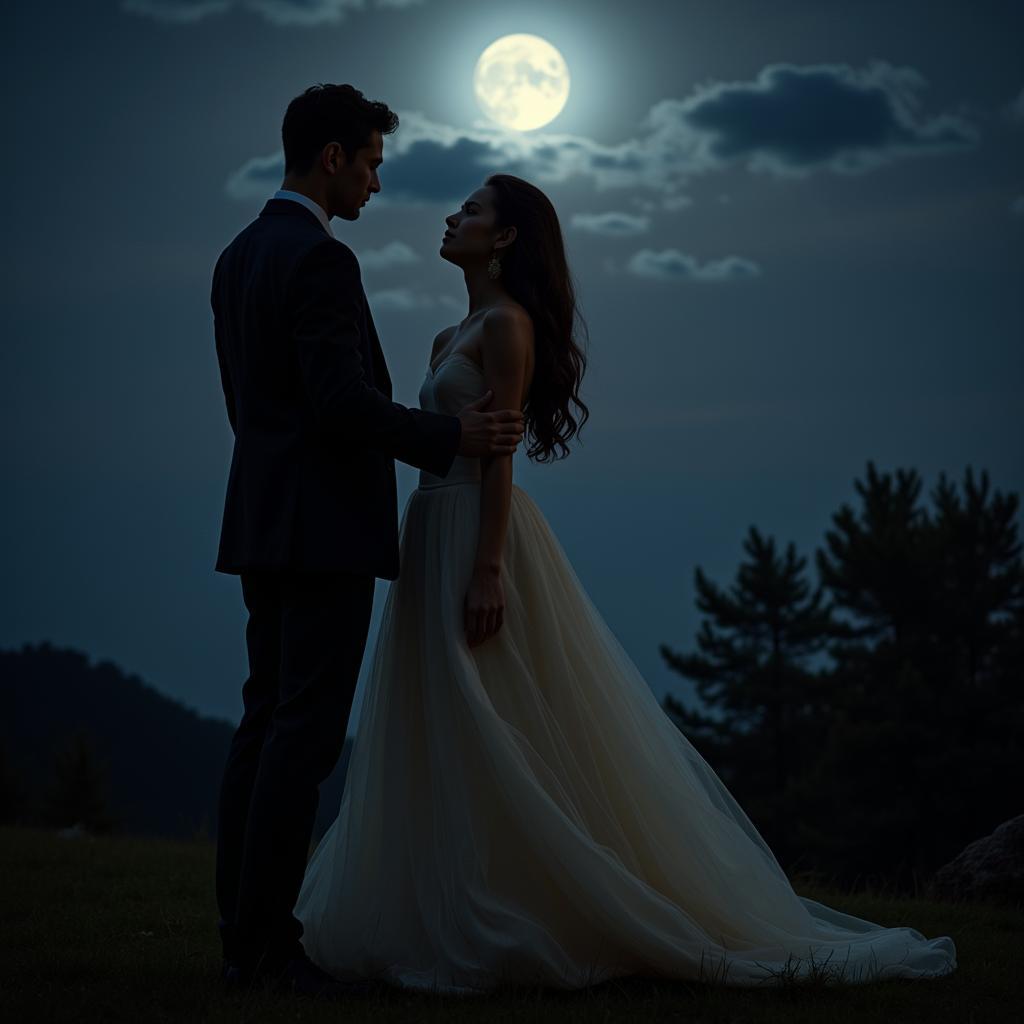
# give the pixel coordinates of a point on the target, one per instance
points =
(120, 929)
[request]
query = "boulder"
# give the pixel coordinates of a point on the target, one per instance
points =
(990, 869)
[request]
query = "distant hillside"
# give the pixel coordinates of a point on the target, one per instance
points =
(156, 762)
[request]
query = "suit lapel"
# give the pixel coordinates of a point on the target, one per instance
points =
(381, 379)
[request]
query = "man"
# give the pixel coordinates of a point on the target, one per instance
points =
(310, 515)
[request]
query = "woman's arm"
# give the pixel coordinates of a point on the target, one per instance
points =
(506, 343)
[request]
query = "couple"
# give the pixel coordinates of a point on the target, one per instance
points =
(518, 808)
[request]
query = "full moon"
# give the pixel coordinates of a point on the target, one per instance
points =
(521, 81)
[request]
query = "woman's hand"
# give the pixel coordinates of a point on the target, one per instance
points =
(484, 604)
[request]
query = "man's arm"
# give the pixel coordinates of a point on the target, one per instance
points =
(324, 305)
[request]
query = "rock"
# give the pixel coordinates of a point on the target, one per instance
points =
(990, 869)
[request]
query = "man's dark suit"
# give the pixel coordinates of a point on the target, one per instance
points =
(310, 519)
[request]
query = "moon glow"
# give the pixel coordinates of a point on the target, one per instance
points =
(521, 81)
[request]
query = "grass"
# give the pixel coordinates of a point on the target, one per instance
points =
(123, 929)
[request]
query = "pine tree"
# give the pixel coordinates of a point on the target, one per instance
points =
(927, 697)
(979, 586)
(751, 665)
(877, 565)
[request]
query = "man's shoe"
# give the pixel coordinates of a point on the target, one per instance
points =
(299, 976)
(235, 978)
(302, 977)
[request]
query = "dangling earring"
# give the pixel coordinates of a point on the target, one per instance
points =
(493, 267)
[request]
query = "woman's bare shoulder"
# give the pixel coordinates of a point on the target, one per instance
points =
(510, 320)
(508, 323)
(510, 312)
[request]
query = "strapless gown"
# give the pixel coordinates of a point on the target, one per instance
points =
(525, 811)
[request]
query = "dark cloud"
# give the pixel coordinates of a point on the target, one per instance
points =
(280, 12)
(180, 12)
(434, 171)
(425, 171)
(792, 120)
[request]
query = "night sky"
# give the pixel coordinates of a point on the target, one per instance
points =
(797, 231)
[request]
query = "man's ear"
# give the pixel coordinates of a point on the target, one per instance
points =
(332, 157)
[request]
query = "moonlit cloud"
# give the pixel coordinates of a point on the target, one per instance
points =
(790, 121)
(431, 160)
(612, 223)
(407, 300)
(673, 265)
(394, 254)
(257, 178)
(1015, 108)
(424, 162)
(279, 12)
(676, 202)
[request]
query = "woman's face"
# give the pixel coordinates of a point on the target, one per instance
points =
(471, 235)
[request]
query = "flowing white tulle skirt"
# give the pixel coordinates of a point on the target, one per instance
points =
(525, 812)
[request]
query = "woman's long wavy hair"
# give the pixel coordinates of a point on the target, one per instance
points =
(535, 273)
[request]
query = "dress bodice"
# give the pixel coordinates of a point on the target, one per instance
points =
(456, 382)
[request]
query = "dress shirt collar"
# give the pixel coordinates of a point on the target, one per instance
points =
(310, 204)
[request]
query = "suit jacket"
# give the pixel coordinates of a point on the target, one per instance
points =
(312, 479)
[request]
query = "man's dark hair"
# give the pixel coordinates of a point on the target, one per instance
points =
(331, 113)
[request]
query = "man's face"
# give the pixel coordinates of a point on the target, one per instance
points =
(357, 180)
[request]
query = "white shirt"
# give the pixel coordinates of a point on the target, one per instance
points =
(309, 204)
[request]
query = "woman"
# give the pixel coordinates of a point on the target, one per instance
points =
(518, 807)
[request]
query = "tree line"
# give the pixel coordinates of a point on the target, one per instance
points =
(92, 746)
(869, 721)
